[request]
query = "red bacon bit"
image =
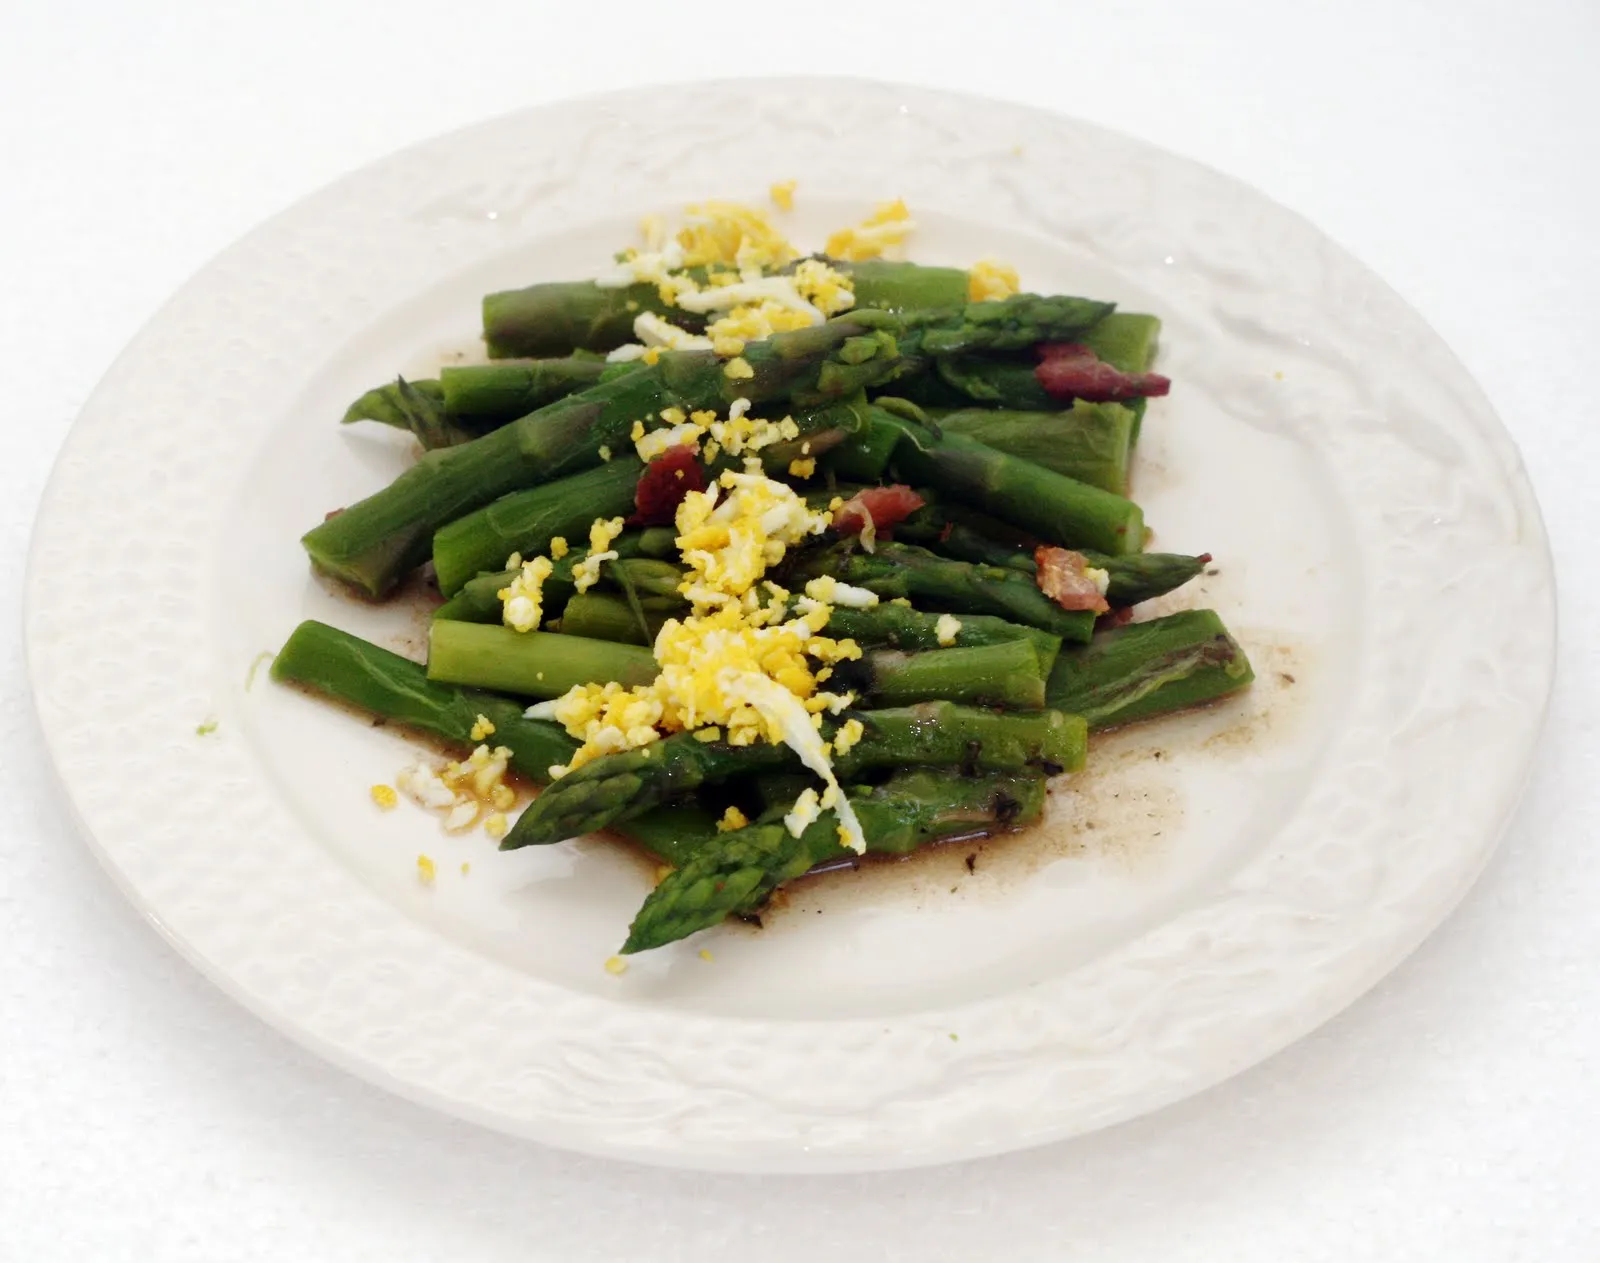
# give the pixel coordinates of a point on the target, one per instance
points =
(1062, 578)
(664, 483)
(1068, 370)
(886, 506)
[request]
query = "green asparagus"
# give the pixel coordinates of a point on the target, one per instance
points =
(1007, 674)
(1091, 442)
(1147, 669)
(1057, 509)
(559, 317)
(360, 674)
(730, 873)
(902, 627)
(904, 570)
(618, 787)
(526, 521)
(530, 664)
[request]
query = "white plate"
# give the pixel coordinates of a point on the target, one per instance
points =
(1250, 869)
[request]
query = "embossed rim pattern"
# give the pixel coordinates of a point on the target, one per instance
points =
(1394, 829)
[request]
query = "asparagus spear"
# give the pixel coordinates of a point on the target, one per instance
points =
(602, 616)
(1091, 442)
(552, 319)
(904, 570)
(389, 404)
(674, 832)
(375, 541)
(468, 399)
(1139, 577)
(526, 521)
(737, 871)
(1152, 668)
(951, 531)
(532, 664)
(358, 673)
(1058, 510)
(1007, 674)
(558, 317)
(478, 600)
(902, 627)
(898, 286)
(618, 787)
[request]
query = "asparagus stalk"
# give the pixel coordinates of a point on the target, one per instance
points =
(1091, 442)
(559, 317)
(904, 570)
(485, 395)
(902, 627)
(552, 319)
(375, 541)
(618, 787)
(526, 521)
(673, 833)
(478, 600)
(1006, 674)
(360, 674)
(531, 664)
(468, 399)
(953, 532)
(737, 871)
(1057, 509)
(1137, 577)
(602, 616)
(897, 286)
(1147, 669)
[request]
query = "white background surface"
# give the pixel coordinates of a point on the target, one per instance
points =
(1451, 1114)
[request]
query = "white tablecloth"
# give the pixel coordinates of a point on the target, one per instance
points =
(1452, 1114)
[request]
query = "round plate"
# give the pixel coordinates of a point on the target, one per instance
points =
(1210, 889)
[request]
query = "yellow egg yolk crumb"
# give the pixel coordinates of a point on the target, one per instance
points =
(989, 281)
(732, 819)
(782, 194)
(887, 227)
(384, 796)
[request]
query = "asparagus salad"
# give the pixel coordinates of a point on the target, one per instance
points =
(764, 560)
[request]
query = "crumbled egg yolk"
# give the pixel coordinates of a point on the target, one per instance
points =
(742, 254)
(738, 369)
(989, 280)
(558, 548)
(947, 629)
(782, 194)
(462, 790)
(616, 966)
(845, 739)
(425, 870)
(732, 819)
(739, 434)
(522, 600)
(888, 226)
(733, 235)
(384, 796)
(587, 572)
(482, 727)
(736, 662)
(802, 468)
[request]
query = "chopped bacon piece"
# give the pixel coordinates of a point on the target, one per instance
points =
(885, 506)
(1062, 577)
(1068, 370)
(665, 481)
